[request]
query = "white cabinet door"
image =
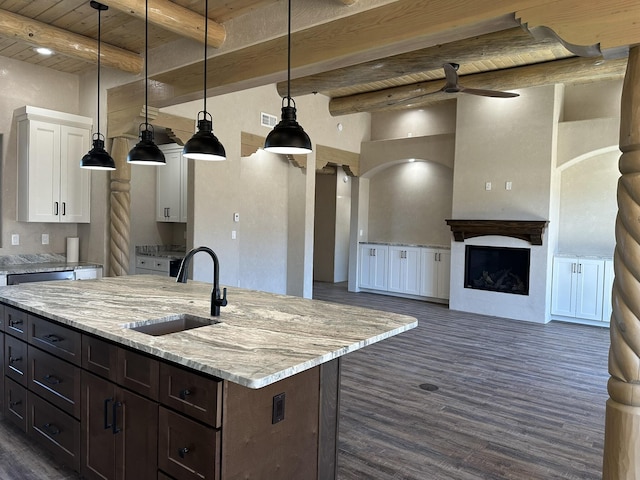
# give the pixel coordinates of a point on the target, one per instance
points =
(404, 270)
(607, 309)
(564, 286)
(51, 185)
(373, 266)
(436, 272)
(171, 186)
(590, 289)
(88, 273)
(75, 182)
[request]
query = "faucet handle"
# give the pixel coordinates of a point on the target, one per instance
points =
(222, 302)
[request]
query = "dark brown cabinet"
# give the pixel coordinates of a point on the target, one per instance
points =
(120, 432)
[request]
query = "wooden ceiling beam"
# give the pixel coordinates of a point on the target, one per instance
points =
(174, 18)
(567, 71)
(510, 42)
(67, 43)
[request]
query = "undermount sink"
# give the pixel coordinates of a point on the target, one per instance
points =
(170, 324)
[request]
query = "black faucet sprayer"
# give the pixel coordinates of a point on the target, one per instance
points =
(216, 300)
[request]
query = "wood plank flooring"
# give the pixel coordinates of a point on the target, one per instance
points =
(515, 400)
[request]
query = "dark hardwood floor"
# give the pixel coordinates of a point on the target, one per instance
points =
(514, 400)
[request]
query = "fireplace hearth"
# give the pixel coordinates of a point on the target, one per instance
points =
(498, 269)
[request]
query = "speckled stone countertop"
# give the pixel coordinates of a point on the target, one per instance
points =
(393, 244)
(171, 252)
(39, 262)
(261, 338)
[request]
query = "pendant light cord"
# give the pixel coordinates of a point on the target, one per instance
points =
(206, 34)
(289, 57)
(146, 64)
(98, 119)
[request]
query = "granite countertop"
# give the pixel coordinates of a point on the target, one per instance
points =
(172, 252)
(261, 338)
(39, 262)
(394, 244)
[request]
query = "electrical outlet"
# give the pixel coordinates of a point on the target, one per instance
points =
(487, 186)
(236, 217)
(508, 185)
(233, 235)
(277, 413)
(15, 239)
(45, 239)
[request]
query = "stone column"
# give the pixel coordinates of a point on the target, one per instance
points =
(120, 212)
(622, 426)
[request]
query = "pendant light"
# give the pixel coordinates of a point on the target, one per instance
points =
(204, 145)
(146, 152)
(98, 158)
(288, 136)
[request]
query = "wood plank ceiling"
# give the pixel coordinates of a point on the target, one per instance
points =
(387, 82)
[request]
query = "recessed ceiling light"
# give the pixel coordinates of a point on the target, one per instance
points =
(44, 51)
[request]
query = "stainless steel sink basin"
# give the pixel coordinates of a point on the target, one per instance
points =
(170, 324)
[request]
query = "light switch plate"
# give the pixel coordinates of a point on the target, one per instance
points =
(15, 239)
(45, 239)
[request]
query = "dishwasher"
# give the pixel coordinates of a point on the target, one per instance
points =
(18, 278)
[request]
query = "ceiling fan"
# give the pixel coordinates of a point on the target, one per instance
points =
(453, 86)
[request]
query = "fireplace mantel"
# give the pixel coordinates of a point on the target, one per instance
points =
(529, 230)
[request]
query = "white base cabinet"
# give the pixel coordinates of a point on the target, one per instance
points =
(373, 266)
(578, 288)
(405, 270)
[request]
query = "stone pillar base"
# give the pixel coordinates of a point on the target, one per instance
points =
(621, 442)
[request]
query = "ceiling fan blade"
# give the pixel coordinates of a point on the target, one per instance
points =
(488, 93)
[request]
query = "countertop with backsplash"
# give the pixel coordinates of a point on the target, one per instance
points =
(172, 252)
(39, 262)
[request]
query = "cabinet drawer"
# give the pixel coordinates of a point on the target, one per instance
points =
(192, 394)
(15, 322)
(55, 380)
(15, 404)
(186, 449)
(56, 339)
(99, 357)
(15, 359)
(54, 430)
(138, 373)
(153, 263)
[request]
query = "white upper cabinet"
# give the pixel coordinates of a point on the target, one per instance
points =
(171, 186)
(51, 185)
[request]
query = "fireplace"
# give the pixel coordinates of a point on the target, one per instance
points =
(498, 269)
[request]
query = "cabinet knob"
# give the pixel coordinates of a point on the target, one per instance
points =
(184, 393)
(51, 429)
(13, 323)
(15, 404)
(13, 360)
(52, 338)
(52, 379)
(183, 451)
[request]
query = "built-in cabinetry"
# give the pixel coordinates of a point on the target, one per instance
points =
(581, 288)
(88, 273)
(405, 270)
(171, 186)
(152, 265)
(110, 412)
(51, 185)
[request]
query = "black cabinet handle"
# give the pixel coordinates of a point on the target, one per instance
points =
(13, 323)
(55, 208)
(52, 379)
(107, 425)
(64, 208)
(114, 425)
(184, 393)
(52, 338)
(183, 451)
(16, 403)
(51, 429)
(13, 360)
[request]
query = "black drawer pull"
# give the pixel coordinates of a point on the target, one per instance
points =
(52, 379)
(183, 451)
(16, 403)
(51, 338)
(13, 323)
(114, 427)
(184, 393)
(107, 425)
(51, 429)
(13, 360)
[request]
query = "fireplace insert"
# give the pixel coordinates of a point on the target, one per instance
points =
(498, 269)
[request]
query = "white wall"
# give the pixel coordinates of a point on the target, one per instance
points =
(343, 226)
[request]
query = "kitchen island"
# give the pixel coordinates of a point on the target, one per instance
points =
(254, 395)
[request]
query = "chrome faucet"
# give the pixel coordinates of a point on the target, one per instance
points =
(216, 301)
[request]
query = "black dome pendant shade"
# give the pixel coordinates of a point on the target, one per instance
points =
(98, 158)
(146, 152)
(288, 137)
(204, 145)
